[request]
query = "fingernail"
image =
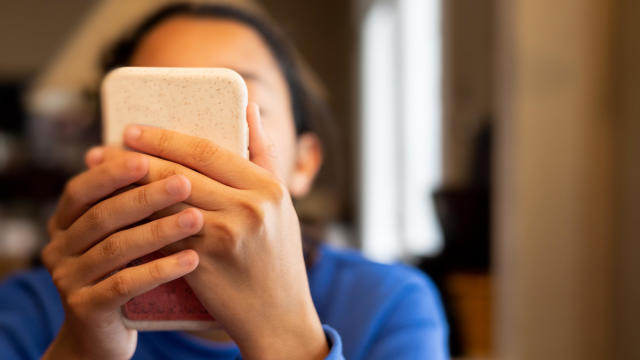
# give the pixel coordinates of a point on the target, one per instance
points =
(95, 155)
(175, 185)
(185, 259)
(132, 133)
(186, 220)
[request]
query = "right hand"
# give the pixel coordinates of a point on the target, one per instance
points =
(92, 239)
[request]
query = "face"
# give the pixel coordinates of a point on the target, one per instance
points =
(185, 41)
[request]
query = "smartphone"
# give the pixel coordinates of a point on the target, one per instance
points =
(206, 102)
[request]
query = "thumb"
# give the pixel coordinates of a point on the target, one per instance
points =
(261, 148)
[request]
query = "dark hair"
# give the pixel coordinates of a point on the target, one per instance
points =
(121, 54)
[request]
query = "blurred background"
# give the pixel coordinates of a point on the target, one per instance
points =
(491, 143)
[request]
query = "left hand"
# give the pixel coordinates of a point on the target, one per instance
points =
(251, 277)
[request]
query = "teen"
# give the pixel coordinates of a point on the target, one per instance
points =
(228, 224)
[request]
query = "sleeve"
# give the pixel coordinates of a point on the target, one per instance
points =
(415, 326)
(335, 342)
(26, 327)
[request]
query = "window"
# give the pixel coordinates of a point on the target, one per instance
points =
(400, 128)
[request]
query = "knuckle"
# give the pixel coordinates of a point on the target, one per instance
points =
(142, 196)
(110, 248)
(62, 277)
(119, 285)
(163, 141)
(48, 256)
(58, 275)
(225, 237)
(253, 210)
(95, 217)
(72, 191)
(203, 150)
(274, 190)
(155, 231)
(167, 171)
(156, 271)
(76, 302)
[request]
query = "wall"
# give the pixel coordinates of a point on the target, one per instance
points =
(567, 180)
(31, 31)
(468, 82)
(627, 246)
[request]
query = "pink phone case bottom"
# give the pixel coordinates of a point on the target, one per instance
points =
(173, 301)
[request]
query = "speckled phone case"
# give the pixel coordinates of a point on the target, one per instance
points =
(205, 102)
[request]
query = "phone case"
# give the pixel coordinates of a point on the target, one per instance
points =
(205, 102)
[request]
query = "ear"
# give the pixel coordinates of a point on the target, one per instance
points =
(308, 160)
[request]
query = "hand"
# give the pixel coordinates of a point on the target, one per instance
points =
(252, 277)
(92, 238)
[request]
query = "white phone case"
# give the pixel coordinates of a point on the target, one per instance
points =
(206, 102)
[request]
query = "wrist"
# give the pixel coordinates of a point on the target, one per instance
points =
(299, 338)
(68, 345)
(63, 347)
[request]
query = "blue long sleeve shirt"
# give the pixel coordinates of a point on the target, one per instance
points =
(369, 311)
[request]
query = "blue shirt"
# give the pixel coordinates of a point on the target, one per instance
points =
(369, 311)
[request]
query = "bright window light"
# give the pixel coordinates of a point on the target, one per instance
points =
(400, 128)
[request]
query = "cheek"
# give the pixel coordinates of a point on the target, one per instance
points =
(283, 138)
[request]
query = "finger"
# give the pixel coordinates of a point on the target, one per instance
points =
(116, 290)
(123, 210)
(94, 157)
(218, 237)
(125, 246)
(206, 193)
(193, 152)
(261, 148)
(84, 190)
(170, 210)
